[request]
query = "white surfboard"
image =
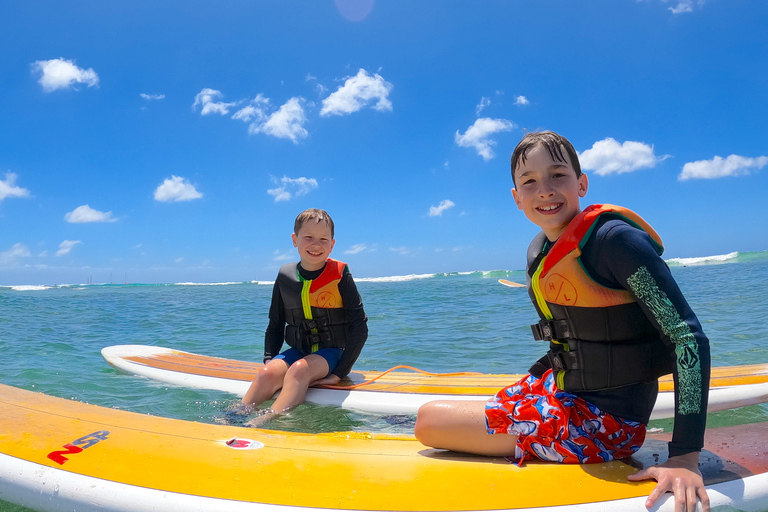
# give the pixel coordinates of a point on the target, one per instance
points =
(401, 392)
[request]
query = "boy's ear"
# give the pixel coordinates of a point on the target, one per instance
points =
(294, 239)
(583, 185)
(517, 199)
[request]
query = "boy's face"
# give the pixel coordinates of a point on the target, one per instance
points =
(315, 243)
(548, 191)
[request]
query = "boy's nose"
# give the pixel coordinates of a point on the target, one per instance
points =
(545, 190)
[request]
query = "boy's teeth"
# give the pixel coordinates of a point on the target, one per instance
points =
(547, 208)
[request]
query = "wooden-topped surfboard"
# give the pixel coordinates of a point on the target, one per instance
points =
(511, 284)
(58, 454)
(401, 392)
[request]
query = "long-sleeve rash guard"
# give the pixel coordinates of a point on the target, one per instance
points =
(620, 256)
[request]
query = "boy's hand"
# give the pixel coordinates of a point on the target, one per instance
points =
(330, 380)
(679, 475)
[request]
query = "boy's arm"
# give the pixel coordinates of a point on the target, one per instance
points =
(273, 338)
(635, 264)
(357, 330)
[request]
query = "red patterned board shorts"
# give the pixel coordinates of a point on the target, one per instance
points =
(556, 426)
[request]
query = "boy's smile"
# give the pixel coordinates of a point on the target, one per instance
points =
(548, 191)
(315, 243)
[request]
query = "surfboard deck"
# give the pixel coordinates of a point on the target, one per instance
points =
(511, 284)
(58, 454)
(402, 392)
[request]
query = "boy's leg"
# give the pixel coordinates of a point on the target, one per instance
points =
(267, 381)
(297, 379)
(460, 426)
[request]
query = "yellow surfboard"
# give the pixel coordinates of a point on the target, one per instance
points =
(401, 392)
(58, 454)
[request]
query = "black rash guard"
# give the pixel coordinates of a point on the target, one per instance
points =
(620, 256)
(357, 321)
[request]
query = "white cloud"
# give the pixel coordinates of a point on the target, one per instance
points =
(607, 156)
(206, 99)
(66, 246)
(290, 187)
(8, 187)
(403, 251)
(356, 249)
(63, 74)
(150, 97)
(435, 211)
(477, 135)
(175, 189)
(282, 256)
(254, 110)
(484, 102)
(357, 92)
(720, 167)
(521, 100)
(684, 6)
(12, 256)
(286, 123)
(85, 213)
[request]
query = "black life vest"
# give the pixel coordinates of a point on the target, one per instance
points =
(599, 337)
(314, 311)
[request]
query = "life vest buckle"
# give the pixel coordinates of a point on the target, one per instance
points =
(563, 361)
(548, 330)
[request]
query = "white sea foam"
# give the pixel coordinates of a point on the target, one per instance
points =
(30, 288)
(393, 279)
(266, 283)
(704, 260)
(208, 284)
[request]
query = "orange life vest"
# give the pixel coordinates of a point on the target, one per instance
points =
(599, 337)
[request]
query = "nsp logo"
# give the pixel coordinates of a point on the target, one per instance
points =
(77, 446)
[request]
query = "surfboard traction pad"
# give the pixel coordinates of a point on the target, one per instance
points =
(739, 455)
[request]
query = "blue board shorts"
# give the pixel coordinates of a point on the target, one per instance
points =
(331, 356)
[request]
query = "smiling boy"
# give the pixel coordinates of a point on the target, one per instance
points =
(615, 320)
(317, 310)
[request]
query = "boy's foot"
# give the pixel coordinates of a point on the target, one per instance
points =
(235, 414)
(263, 416)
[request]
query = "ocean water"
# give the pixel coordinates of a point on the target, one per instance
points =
(51, 337)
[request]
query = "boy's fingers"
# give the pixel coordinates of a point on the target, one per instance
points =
(643, 474)
(704, 498)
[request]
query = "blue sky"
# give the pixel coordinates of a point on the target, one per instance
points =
(176, 141)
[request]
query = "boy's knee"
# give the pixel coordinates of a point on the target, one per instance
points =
(425, 421)
(270, 373)
(299, 370)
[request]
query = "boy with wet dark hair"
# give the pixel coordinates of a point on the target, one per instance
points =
(615, 321)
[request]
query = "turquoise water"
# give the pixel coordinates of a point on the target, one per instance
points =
(51, 337)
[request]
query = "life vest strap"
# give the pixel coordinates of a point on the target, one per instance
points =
(305, 286)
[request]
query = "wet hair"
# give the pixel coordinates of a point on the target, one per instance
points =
(554, 144)
(315, 214)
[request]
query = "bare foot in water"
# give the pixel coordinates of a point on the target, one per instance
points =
(263, 416)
